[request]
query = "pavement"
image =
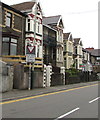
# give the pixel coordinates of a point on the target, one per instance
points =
(17, 94)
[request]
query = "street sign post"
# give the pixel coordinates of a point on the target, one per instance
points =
(30, 56)
(30, 48)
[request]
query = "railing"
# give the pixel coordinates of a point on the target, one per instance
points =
(47, 59)
(21, 58)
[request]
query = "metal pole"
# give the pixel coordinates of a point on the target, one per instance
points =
(29, 76)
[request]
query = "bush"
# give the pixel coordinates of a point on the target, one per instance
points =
(72, 72)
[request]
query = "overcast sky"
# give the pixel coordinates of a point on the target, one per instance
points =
(80, 17)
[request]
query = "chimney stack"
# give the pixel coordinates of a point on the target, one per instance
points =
(90, 48)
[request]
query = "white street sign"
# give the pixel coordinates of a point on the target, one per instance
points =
(30, 58)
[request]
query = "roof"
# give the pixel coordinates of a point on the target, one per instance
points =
(51, 19)
(49, 27)
(66, 35)
(95, 52)
(85, 50)
(13, 9)
(23, 6)
(76, 41)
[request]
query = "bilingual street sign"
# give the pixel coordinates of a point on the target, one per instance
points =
(30, 58)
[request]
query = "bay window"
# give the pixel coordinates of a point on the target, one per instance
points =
(28, 24)
(38, 27)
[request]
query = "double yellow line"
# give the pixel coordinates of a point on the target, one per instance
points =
(37, 96)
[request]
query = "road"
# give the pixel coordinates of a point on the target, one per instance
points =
(79, 102)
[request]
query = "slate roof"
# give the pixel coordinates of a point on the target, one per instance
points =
(66, 35)
(12, 9)
(51, 19)
(95, 52)
(85, 50)
(76, 41)
(23, 6)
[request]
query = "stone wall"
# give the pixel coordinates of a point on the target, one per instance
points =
(80, 77)
(57, 78)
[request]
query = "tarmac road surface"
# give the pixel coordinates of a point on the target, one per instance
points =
(81, 102)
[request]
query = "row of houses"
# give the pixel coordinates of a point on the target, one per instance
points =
(26, 31)
(76, 56)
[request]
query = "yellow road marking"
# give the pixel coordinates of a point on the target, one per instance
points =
(12, 101)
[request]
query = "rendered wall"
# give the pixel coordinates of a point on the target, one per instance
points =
(20, 77)
(6, 77)
(37, 78)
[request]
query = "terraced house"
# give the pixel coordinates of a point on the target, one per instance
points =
(13, 31)
(68, 50)
(53, 49)
(22, 33)
(56, 23)
(94, 58)
(49, 45)
(34, 29)
(78, 53)
(87, 66)
(33, 38)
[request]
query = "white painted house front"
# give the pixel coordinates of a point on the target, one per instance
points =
(34, 28)
(78, 52)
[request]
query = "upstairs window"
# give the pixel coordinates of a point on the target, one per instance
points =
(76, 50)
(28, 24)
(60, 36)
(60, 33)
(64, 46)
(38, 27)
(64, 62)
(38, 13)
(8, 19)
